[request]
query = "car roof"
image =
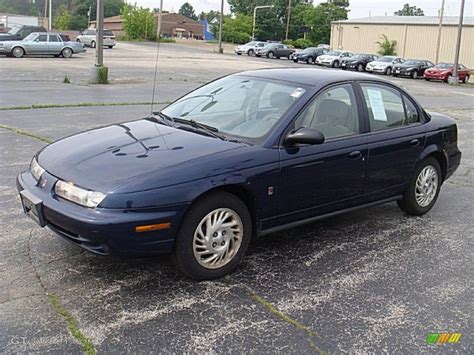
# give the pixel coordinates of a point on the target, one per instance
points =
(308, 76)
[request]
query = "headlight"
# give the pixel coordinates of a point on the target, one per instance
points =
(78, 195)
(36, 169)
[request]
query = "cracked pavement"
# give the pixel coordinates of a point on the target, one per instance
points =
(369, 281)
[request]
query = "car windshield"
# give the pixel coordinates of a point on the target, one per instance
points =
(359, 56)
(309, 50)
(444, 65)
(411, 62)
(30, 37)
(14, 30)
(386, 59)
(237, 105)
(334, 53)
(253, 43)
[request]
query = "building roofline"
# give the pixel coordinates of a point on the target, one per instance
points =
(407, 20)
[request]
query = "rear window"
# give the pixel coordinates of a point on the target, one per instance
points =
(65, 38)
(108, 33)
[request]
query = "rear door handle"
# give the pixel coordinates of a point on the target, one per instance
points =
(355, 154)
(415, 142)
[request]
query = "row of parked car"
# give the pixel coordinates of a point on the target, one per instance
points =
(362, 62)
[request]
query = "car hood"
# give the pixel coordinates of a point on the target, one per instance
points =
(328, 57)
(128, 154)
(438, 70)
(380, 64)
(406, 66)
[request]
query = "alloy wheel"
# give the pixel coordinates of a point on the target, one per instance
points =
(217, 238)
(18, 52)
(426, 186)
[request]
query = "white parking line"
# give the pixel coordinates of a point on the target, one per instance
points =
(463, 93)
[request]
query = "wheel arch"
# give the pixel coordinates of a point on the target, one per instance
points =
(17, 46)
(439, 154)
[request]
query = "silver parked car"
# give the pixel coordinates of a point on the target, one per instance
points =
(89, 38)
(41, 43)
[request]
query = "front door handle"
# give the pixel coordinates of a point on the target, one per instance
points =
(356, 154)
(415, 142)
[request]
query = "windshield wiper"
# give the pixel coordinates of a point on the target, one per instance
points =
(165, 119)
(212, 131)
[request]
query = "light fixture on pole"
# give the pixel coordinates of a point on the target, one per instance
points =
(255, 15)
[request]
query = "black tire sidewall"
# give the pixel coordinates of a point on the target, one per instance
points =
(408, 203)
(183, 251)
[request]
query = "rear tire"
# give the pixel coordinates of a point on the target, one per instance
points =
(466, 79)
(93, 44)
(110, 47)
(388, 71)
(423, 190)
(18, 52)
(226, 245)
(310, 60)
(414, 75)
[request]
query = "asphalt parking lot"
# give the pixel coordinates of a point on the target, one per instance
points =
(370, 281)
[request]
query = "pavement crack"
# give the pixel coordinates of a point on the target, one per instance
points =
(25, 133)
(87, 345)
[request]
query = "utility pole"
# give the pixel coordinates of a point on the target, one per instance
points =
(255, 16)
(221, 22)
(160, 12)
(50, 17)
(455, 78)
(288, 19)
(440, 27)
(99, 48)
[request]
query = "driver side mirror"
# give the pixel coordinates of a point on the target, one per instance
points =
(304, 136)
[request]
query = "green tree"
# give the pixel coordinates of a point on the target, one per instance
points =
(386, 46)
(238, 29)
(408, 10)
(187, 10)
(138, 22)
(62, 18)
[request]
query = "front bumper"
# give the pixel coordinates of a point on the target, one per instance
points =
(99, 230)
(376, 70)
(436, 76)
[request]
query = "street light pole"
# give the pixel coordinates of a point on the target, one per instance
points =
(158, 32)
(288, 19)
(99, 48)
(455, 78)
(440, 27)
(221, 23)
(50, 17)
(255, 16)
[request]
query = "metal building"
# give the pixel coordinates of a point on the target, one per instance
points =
(416, 36)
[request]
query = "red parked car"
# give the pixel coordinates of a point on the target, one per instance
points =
(443, 71)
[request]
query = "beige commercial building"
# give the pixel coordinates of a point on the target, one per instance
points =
(416, 36)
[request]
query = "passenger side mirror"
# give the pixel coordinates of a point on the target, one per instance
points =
(304, 136)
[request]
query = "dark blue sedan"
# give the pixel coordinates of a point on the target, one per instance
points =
(248, 154)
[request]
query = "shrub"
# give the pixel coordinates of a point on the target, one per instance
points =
(386, 46)
(302, 43)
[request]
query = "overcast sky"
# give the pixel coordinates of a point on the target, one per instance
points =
(359, 8)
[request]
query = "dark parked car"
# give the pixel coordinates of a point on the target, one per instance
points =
(413, 68)
(443, 71)
(248, 154)
(17, 33)
(275, 50)
(308, 55)
(358, 61)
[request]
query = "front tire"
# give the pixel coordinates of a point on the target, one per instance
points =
(270, 55)
(466, 79)
(388, 71)
(335, 64)
(360, 68)
(414, 75)
(310, 60)
(423, 190)
(213, 236)
(250, 52)
(66, 53)
(93, 44)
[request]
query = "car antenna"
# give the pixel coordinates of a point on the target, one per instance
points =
(158, 38)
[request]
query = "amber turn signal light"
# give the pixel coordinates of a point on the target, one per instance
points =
(153, 227)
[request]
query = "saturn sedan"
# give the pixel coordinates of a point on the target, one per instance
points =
(245, 155)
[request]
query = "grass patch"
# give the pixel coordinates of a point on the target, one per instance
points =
(87, 345)
(25, 133)
(80, 104)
